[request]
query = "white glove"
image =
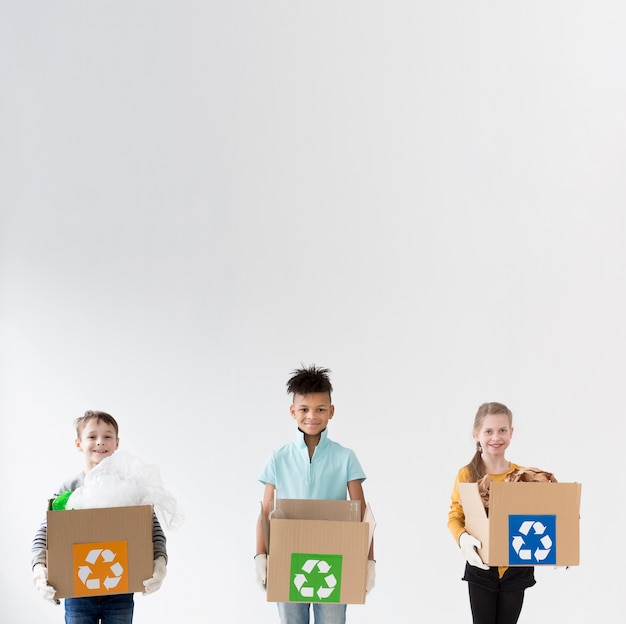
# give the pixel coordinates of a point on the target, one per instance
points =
(371, 576)
(40, 579)
(468, 544)
(260, 563)
(154, 583)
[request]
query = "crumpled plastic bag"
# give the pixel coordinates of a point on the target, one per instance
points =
(520, 475)
(123, 480)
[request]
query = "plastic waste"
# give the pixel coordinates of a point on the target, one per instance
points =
(123, 480)
(60, 502)
(277, 513)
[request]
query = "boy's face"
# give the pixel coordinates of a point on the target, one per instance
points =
(97, 441)
(312, 411)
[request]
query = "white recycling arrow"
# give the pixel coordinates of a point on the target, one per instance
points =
(111, 582)
(92, 557)
(518, 542)
(526, 526)
(542, 553)
(107, 555)
(83, 573)
(309, 565)
(331, 581)
(117, 569)
(299, 581)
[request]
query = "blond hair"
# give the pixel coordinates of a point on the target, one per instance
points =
(476, 465)
(90, 415)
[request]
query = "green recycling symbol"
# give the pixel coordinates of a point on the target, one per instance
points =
(315, 578)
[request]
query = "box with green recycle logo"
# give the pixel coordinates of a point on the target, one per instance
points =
(318, 551)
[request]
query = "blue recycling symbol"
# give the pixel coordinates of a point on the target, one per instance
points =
(532, 540)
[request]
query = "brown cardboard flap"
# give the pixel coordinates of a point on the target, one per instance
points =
(476, 520)
(311, 509)
(368, 518)
(265, 526)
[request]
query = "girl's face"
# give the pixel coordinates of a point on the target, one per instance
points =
(494, 434)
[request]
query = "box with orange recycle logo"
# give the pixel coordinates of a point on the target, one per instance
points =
(99, 552)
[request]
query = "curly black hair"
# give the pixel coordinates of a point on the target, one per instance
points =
(307, 380)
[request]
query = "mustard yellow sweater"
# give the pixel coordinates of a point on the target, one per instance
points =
(456, 517)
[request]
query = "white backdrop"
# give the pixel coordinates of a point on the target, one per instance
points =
(426, 197)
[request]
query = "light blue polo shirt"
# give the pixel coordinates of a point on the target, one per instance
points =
(325, 477)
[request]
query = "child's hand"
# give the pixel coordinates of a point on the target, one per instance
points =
(468, 544)
(40, 579)
(260, 562)
(154, 583)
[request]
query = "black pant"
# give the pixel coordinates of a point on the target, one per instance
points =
(494, 607)
(496, 600)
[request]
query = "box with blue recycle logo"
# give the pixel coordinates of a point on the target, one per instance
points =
(528, 524)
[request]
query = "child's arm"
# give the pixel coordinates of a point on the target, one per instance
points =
(40, 544)
(38, 562)
(159, 554)
(260, 558)
(159, 541)
(456, 515)
(268, 497)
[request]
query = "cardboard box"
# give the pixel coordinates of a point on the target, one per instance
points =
(318, 551)
(96, 552)
(528, 523)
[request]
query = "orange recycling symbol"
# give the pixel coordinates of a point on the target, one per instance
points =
(100, 568)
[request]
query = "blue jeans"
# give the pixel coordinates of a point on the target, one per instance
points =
(115, 609)
(299, 612)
